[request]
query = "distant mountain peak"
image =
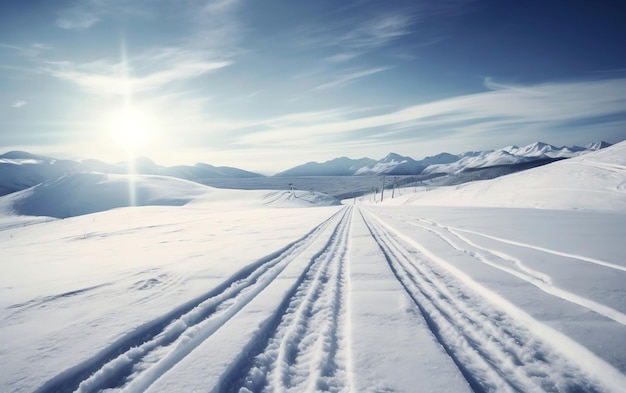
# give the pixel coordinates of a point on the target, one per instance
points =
(20, 155)
(394, 157)
(598, 145)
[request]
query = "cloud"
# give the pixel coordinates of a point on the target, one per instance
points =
(378, 31)
(28, 51)
(76, 19)
(149, 70)
(506, 110)
(18, 104)
(85, 13)
(346, 79)
(343, 57)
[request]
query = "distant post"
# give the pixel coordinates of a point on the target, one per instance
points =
(382, 191)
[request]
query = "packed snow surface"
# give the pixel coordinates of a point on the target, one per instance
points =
(198, 289)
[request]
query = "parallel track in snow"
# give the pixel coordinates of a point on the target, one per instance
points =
(138, 359)
(305, 347)
(493, 350)
(516, 267)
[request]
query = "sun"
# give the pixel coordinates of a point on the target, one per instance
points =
(131, 128)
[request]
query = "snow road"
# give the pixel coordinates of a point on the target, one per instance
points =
(369, 299)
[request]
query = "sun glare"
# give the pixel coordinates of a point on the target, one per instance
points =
(132, 129)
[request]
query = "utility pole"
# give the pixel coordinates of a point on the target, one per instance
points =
(382, 192)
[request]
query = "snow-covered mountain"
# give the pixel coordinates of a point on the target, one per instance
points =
(21, 170)
(512, 155)
(395, 164)
(342, 166)
(593, 181)
(392, 164)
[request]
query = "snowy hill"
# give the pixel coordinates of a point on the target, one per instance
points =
(21, 170)
(593, 181)
(84, 193)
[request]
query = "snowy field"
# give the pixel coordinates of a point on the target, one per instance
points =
(516, 284)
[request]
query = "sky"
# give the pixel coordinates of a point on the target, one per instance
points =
(267, 85)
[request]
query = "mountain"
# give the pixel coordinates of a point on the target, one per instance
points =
(524, 157)
(592, 181)
(342, 166)
(392, 164)
(598, 145)
(538, 153)
(21, 170)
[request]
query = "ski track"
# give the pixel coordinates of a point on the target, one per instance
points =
(495, 258)
(542, 249)
(304, 344)
(305, 349)
(139, 358)
(491, 348)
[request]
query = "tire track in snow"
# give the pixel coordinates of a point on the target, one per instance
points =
(494, 257)
(304, 350)
(139, 358)
(495, 345)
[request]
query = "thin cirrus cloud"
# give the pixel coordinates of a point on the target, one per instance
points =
(76, 19)
(378, 31)
(507, 108)
(86, 13)
(114, 82)
(346, 79)
(18, 104)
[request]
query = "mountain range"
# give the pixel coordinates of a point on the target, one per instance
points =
(20, 170)
(445, 163)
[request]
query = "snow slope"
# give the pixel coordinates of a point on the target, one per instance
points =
(85, 193)
(229, 291)
(594, 181)
(20, 170)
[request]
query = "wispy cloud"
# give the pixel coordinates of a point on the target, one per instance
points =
(84, 14)
(18, 104)
(28, 51)
(343, 57)
(377, 31)
(207, 45)
(77, 19)
(110, 80)
(346, 79)
(505, 111)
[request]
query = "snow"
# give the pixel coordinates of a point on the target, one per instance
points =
(593, 181)
(512, 284)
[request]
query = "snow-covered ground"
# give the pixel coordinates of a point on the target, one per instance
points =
(593, 181)
(468, 288)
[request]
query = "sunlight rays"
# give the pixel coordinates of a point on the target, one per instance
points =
(126, 131)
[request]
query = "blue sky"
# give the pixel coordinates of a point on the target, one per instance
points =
(266, 85)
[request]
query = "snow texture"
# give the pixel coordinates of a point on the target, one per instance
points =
(199, 289)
